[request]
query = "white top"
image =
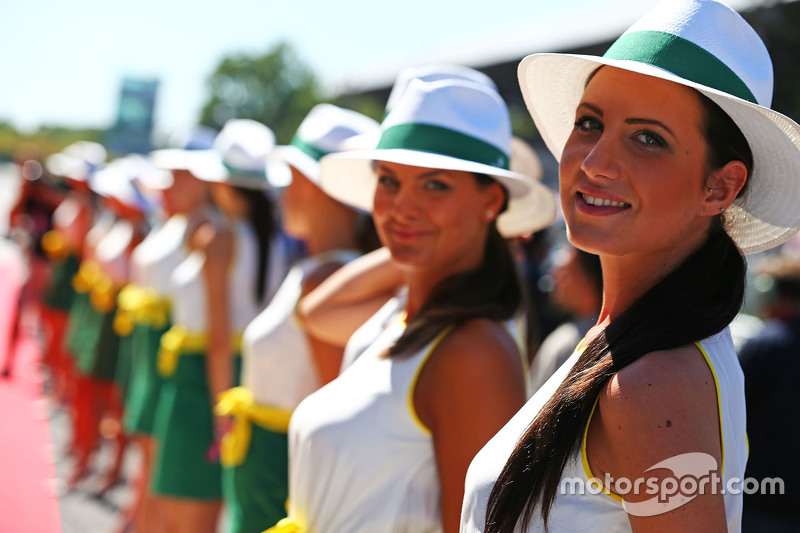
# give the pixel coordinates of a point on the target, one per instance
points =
(360, 460)
(161, 251)
(101, 226)
(111, 252)
(600, 511)
(277, 364)
(188, 292)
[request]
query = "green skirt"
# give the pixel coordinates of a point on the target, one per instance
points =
(97, 345)
(59, 293)
(145, 381)
(256, 491)
(122, 374)
(184, 429)
(76, 334)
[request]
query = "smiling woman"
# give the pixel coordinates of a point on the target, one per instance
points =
(439, 368)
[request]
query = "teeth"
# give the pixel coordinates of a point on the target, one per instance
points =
(602, 202)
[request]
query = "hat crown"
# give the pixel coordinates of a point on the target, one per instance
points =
(327, 126)
(724, 40)
(244, 145)
(431, 73)
(467, 108)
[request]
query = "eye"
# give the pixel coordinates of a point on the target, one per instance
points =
(648, 139)
(386, 181)
(588, 123)
(436, 185)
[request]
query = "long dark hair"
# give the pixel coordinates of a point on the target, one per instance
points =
(492, 291)
(261, 216)
(696, 300)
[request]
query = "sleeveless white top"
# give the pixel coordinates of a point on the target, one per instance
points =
(360, 460)
(102, 225)
(111, 252)
(601, 511)
(188, 290)
(277, 365)
(161, 251)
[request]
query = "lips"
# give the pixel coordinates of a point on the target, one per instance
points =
(596, 205)
(407, 234)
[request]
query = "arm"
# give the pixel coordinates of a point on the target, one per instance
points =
(218, 247)
(661, 406)
(467, 391)
(350, 296)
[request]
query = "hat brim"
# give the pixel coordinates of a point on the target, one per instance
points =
(300, 160)
(349, 177)
(206, 165)
(765, 217)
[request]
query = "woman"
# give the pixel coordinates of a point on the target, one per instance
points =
(433, 374)
(231, 272)
(654, 163)
(143, 314)
(281, 364)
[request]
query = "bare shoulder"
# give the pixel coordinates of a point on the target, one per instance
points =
(315, 278)
(215, 242)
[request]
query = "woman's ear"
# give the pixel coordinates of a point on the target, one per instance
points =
(722, 186)
(495, 198)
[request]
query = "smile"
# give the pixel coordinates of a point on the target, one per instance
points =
(602, 202)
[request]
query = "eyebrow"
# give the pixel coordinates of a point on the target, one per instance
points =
(648, 121)
(430, 173)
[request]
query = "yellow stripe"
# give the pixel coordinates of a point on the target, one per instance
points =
(177, 341)
(287, 525)
(719, 405)
(585, 459)
(413, 386)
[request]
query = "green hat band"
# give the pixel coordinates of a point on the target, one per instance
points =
(309, 149)
(680, 57)
(243, 172)
(443, 141)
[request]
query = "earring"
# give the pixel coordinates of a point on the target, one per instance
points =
(489, 214)
(709, 190)
(721, 209)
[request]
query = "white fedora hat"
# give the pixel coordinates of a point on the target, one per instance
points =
(240, 156)
(78, 161)
(705, 45)
(325, 130)
(118, 180)
(447, 124)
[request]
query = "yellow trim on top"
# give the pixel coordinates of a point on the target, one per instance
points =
(519, 341)
(413, 386)
(587, 470)
(719, 405)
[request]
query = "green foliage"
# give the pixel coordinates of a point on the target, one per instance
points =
(276, 89)
(46, 140)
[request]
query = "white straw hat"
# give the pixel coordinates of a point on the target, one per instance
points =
(325, 130)
(240, 156)
(705, 45)
(447, 124)
(78, 161)
(117, 180)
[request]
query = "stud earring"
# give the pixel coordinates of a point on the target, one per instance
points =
(709, 190)
(489, 214)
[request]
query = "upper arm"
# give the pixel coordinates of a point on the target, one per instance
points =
(661, 408)
(469, 388)
(217, 245)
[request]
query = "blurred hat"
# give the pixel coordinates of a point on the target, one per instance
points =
(118, 180)
(182, 153)
(447, 124)
(78, 161)
(240, 156)
(705, 45)
(324, 131)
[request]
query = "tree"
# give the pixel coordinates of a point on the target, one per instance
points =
(276, 89)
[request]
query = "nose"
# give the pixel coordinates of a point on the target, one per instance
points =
(405, 204)
(602, 159)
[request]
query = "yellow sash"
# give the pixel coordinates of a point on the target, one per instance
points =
(55, 245)
(177, 341)
(287, 525)
(142, 305)
(238, 402)
(86, 277)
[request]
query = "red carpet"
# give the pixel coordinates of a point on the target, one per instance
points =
(27, 501)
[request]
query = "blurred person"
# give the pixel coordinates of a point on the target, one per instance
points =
(771, 362)
(235, 264)
(655, 150)
(281, 363)
(431, 375)
(97, 347)
(577, 289)
(144, 310)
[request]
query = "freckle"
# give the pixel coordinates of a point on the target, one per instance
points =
(649, 384)
(619, 427)
(659, 426)
(669, 423)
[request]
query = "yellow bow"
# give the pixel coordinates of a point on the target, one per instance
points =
(287, 525)
(239, 403)
(55, 245)
(103, 294)
(142, 305)
(86, 277)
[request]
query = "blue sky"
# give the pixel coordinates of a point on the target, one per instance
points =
(62, 61)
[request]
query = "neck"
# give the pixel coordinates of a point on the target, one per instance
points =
(626, 278)
(332, 231)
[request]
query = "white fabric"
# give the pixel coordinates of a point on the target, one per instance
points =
(277, 365)
(161, 251)
(359, 460)
(111, 252)
(187, 286)
(67, 220)
(101, 226)
(599, 512)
